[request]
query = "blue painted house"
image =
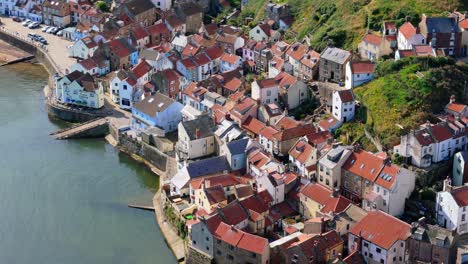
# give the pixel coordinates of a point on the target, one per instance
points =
(157, 111)
(235, 152)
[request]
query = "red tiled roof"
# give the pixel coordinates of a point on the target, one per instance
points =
(212, 222)
(381, 229)
(316, 192)
(336, 205)
(346, 96)
(297, 51)
(214, 52)
(327, 123)
(215, 194)
(440, 132)
(405, 53)
(424, 138)
(457, 108)
(285, 80)
(301, 151)
(141, 69)
(189, 50)
(188, 63)
(170, 75)
(362, 67)
(311, 59)
(354, 258)
(118, 48)
(222, 180)
(157, 29)
(384, 179)
(268, 132)
(233, 85)
(319, 137)
(461, 196)
(267, 83)
(241, 239)
(372, 39)
(389, 25)
(233, 213)
(408, 30)
(423, 50)
(255, 203)
(202, 59)
(139, 33)
(290, 230)
(287, 122)
(230, 58)
(294, 132)
(464, 24)
(266, 29)
(88, 64)
(364, 164)
(265, 196)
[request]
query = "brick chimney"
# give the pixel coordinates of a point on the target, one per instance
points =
(197, 133)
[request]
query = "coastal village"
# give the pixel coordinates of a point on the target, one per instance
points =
(242, 125)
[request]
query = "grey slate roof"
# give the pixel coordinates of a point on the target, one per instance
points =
(238, 146)
(137, 7)
(335, 54)
(441, 25)
(204, 123)
(154, 104)
(208, 166)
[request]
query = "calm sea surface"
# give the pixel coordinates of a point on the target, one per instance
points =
(66, 201)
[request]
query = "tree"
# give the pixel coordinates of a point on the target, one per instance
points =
(102, 5)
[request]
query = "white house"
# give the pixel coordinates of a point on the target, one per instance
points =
(452, 208)
(263, 32)
(343, 105)
(433, 143)
(380, 238)
(196, 138)
(94, 66)
(293, 92)
(230, 62)
(266, 90)
(460, 168)
(157, 111)
(358, 73)
(79, 88)
(164, 5)
(127, 92)
(302, 155)
(157, 59)
(83, 48)
(390, 190)
(408, 36)
(273, 184)
(116, 78)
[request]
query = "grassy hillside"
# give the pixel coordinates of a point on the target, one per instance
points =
(344, 22)
(406, 94)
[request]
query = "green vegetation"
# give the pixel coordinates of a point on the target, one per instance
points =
(405, 94)
(343, 23)
(102, 5)
(176, 221)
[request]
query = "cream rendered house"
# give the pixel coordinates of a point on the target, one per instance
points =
(80, 89)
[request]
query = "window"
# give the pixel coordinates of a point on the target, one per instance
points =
(194, 242)
(401, 244)
(347, 227)
(218, 252)
(382, 261)
(366, 244)
(378, 250)
(125, 87)
(327, 182)
(254, 255)
(230, 257)
(207, 239)
(268, 93)
(463, 217)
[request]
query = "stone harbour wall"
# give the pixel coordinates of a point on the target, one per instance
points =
(147, 152)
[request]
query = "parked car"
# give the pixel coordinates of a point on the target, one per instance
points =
(45, 28)
(33, 25)
(60, 33)
(31, 35)
(26, 23)
(16, 19)
(50, 30)
(43, 41)
(54, 31)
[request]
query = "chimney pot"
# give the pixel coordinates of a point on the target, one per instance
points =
(197, 133)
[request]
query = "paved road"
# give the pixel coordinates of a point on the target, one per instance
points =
(57, 47)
